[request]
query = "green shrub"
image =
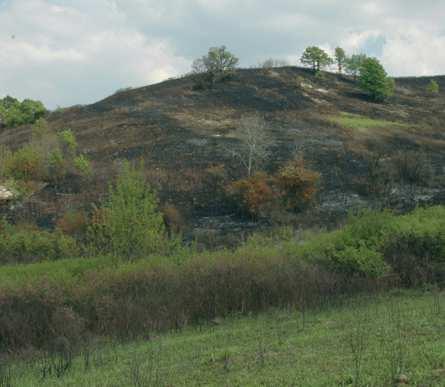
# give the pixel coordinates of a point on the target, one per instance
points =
(68, 142)
(99, 296)
(82, 165)
(57, 166)
(26, 164)
(129, 224)
(15, 113)
(433, 87)
(24, 245)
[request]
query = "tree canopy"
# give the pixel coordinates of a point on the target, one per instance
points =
(340, 59)
(316, 58)
(375, 81)
(14, 113)
(354, 63)
(218, 64)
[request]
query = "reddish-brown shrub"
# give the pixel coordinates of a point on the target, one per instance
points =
(253, 195)
(297, 184)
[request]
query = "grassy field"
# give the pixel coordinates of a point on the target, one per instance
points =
(362, 123)
(388, 340)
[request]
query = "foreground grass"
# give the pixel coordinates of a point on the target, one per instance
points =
(365, 341)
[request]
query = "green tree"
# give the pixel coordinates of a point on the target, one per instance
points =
(14, 113)
(218, 65)
(374, 80)
(129, 224)
(433, 87)
(316, 58)
(354, 63)
(340, 59)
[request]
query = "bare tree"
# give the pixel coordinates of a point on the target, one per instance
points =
(252, 131)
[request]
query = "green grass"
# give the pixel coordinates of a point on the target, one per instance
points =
(358, 342)
(362, 123)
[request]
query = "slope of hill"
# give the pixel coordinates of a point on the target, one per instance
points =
(181, 132)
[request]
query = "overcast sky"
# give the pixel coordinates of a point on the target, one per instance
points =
(67, 52)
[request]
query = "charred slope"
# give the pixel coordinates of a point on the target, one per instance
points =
(181, 132)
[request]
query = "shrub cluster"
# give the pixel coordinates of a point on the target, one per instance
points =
(25, 245)
(293, 189)
(112, 298)
(14, 113)
(375, 244)
(148, 296)
(49, 157)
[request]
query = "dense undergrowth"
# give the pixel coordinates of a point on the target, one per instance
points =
(392, 339)
(107, 296)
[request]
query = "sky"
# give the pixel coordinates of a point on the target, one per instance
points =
(67, 52)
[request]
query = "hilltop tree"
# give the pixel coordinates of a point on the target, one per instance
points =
(340, 59)
(354, 63)
(374, 80)
(218, 65)
(316, 58)
(433, 87)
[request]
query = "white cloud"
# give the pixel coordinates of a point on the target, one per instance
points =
(78, 51)
(65, 55)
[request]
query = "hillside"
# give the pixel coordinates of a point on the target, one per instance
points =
(181, 132)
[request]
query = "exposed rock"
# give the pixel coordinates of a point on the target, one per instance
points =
(6, 194)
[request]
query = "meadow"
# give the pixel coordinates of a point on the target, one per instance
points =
(391, 339)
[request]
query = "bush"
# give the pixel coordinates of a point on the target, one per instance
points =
(433, 87)
(82, 165)
(49, 157)
(68, 143)
(144, 297)
(125, 300)
(25, 245)
(252, 196)
(14, 113)
(129, 224)
(26, 164)
(298, 184)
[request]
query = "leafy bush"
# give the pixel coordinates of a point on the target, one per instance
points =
(252, 195)
(129, 224)
(411, 247)
(49, 157)
(24, 245)
(68, 142)
(14, 113)
(26, 164)
(433, 87)
(298, 184)
(82, 165)
(103, 297)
